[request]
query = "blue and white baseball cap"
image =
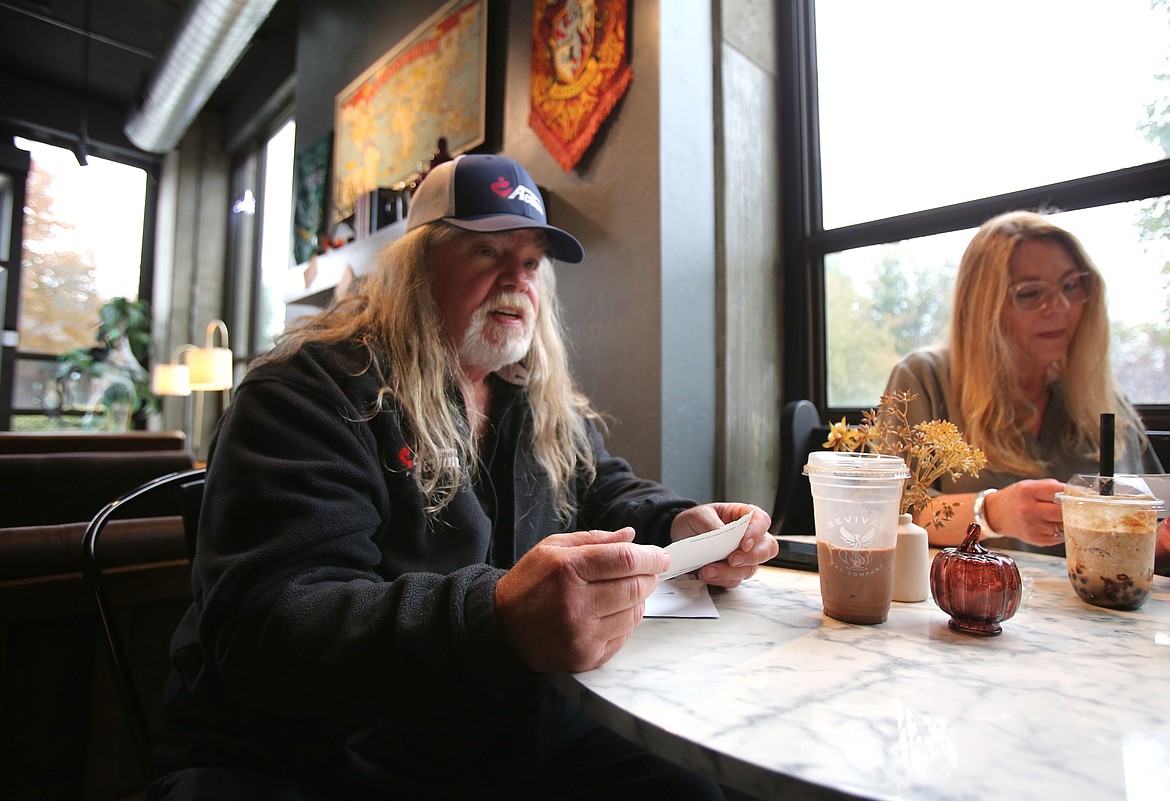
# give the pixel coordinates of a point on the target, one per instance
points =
(487, 193)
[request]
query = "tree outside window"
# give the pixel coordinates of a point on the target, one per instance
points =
(82, 247)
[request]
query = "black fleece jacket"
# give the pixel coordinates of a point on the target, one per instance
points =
(336, 630)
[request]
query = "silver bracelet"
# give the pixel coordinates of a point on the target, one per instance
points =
(980, 517)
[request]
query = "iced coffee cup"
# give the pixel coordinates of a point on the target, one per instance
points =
(1109, 539)
(855, 508)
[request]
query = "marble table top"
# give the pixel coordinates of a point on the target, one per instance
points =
(776, 700)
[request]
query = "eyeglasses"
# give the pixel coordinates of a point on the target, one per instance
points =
(1036, 294)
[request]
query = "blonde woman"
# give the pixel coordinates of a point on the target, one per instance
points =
(1025, 376)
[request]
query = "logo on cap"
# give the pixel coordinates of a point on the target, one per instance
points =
(503, 188)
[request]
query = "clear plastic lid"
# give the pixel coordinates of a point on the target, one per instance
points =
(1126, 489)
(849, 464)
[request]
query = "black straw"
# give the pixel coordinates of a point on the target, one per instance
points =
(1106, 454)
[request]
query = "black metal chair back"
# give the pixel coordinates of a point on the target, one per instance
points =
(184, 493)
(801, 432)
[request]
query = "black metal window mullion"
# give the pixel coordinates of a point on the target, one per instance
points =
(255, 280)
(802, 287)
(1120, 186)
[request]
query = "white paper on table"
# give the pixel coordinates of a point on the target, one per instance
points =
(703, 549)
(680, 597)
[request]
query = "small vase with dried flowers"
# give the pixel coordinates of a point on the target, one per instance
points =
(931, 449)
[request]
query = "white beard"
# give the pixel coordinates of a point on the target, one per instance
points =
(489, 346)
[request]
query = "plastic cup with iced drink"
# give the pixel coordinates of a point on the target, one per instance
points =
(855, 508)
(1109, 539)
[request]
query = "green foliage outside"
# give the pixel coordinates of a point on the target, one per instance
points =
(870, 328)
(1141, 352)
(58, 295)
(871, 324)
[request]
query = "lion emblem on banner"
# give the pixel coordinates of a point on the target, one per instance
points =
(572, 42)
(580, 69)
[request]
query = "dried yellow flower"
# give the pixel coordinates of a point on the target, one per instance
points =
(931, 449)
(839, 433)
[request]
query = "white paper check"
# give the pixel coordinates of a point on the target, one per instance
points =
(680, 597)
(703, 549)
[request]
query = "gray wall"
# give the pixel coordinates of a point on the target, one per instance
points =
(668, 321)
(190, 254)
(748, 214)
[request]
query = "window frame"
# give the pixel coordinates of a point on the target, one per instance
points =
(243, 281)
(11, 355)
(806, 242)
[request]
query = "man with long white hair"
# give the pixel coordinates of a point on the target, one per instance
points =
(410, 514)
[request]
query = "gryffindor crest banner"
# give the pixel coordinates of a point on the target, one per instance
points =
(580, 69)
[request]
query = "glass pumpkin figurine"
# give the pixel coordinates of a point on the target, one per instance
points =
(978, 588)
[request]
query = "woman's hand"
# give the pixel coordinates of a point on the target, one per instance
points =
(1162, 549)
(1027, 510)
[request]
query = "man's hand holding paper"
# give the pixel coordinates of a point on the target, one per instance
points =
(730, 541)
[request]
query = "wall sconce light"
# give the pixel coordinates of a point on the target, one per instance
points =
(210, 367)
(173, 378)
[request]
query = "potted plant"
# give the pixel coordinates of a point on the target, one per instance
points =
(115, 385)
(932, 449)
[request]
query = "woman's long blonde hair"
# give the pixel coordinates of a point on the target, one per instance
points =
(985, 363)
(391, 314)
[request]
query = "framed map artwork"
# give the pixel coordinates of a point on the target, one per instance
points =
(389, 119)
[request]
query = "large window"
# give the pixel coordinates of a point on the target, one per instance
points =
(261, 237)
(82, 246)
(913, 121)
